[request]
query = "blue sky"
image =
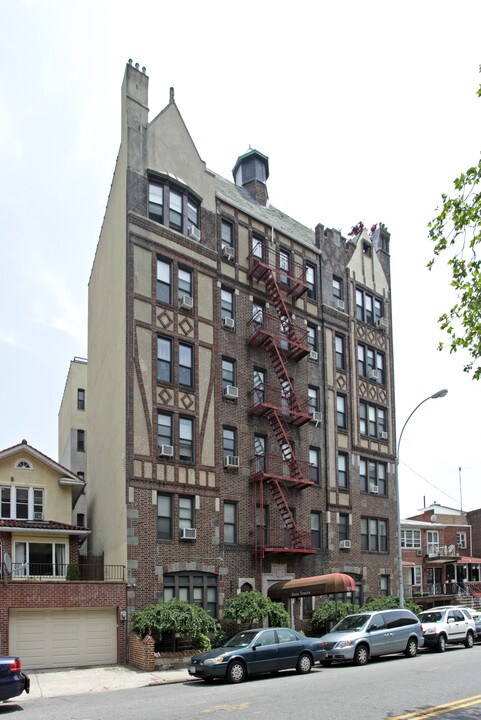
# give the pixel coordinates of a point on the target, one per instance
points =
(367, 111)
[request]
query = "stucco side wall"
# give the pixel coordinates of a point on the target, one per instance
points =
(106, 380)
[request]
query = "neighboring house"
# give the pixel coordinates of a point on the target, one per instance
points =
(438, 562)
(72, 434)
(47, 618)
(241, 414)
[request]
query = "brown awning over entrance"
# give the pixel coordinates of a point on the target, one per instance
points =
(316, 585)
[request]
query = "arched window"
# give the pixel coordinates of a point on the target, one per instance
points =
(23, 465)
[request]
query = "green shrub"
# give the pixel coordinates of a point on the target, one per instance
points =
(278, 615)
(329, 612)
(176, 616)
(201, 642)
(253, 608)
(73, 572)
(219, 638)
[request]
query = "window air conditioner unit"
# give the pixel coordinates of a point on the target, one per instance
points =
(374, 489)
(38, 516)
(228, 252)
(313, 355)
(188, 533)
(231, 461)
(339, 304)
(345, 545)
(374, 375)
(316, 417)
(419, 553)
(383, 435)
(231, 392)
(228, 322)
(382, 323)
(166, 451)
(194, 232)
(186, 302)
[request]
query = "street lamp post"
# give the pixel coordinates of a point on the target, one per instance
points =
(438, 394)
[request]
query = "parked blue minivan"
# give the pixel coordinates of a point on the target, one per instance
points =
(356, 638)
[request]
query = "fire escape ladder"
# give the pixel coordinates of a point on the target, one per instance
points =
(285, 513)
(285, 446)
(275, 356)
(275, 296)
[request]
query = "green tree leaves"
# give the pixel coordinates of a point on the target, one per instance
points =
(456, 234)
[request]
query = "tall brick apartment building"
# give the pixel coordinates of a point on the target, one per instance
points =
(240, 404)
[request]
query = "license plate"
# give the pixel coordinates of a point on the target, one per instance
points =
(192, 669)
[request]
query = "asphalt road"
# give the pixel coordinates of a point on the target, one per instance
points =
(431, 685)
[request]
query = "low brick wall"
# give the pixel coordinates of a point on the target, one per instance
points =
(142, 655)
(174, 660)
(141, 652)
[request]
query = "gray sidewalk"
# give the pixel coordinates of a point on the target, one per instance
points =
(76, 681)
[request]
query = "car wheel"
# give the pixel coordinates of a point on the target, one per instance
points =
(411, 648)
(236, 672)
(469, 642)
(326, 663)
(441, 644)
(304, 664)
(361, 656)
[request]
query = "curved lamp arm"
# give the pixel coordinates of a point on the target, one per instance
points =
(438, 394)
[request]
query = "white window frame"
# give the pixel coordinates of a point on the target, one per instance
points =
(32, 503)
(24, 571)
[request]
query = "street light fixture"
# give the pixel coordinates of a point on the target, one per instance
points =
(438, 394)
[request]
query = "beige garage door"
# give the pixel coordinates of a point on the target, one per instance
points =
(63, 637)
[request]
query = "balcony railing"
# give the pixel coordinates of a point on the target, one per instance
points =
(57, 571)
(445, 588)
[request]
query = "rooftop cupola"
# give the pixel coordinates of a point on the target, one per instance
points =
(251, 172)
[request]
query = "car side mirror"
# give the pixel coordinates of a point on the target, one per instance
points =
(254, 647)
(451, 620)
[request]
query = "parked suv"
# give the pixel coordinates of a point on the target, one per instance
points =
(447, 626)
(370, 634)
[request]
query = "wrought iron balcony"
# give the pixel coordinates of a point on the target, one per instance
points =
(57, 571)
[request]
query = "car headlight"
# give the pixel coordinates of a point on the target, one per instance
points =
(213, 661)
(430, 631)
(344, 643)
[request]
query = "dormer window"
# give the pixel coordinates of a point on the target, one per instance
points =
(174, 207)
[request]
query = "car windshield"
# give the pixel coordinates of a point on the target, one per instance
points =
(428, 617)
(242, 639)
(351, 622)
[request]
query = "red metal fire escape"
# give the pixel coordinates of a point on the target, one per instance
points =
(283, 342)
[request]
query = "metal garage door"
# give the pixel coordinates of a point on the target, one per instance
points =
(63, 637)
